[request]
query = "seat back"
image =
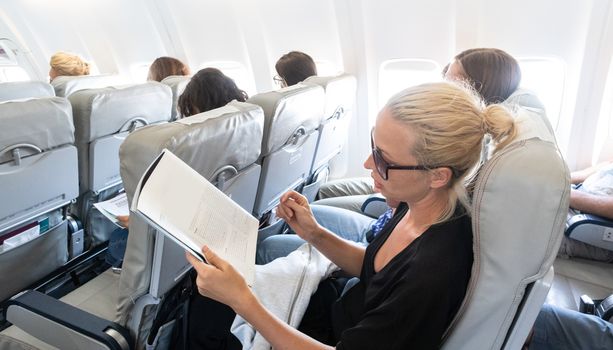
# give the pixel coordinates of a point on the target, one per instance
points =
(292, 116)
(332, 132)
(36, 142)
(65, 85)
(25, 89)
(177, 84)
(222, 145)
(103, 118)
(518, 212)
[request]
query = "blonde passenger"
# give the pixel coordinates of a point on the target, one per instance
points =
(63, 63)
(166, 66)
(414, 275)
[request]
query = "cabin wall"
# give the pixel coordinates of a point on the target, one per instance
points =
(356, 36)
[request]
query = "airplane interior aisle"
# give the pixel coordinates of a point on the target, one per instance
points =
(68, 141)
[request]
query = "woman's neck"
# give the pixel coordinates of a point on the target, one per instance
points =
(428, 210)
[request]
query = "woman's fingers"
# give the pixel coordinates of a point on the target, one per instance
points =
(213, 258)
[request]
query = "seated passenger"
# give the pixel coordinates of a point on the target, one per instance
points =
(63, 63)
(208, 89)
(593, 195)
(165, 66)
(560, 329)
(415, 273)
(294, 67)
(492, 72)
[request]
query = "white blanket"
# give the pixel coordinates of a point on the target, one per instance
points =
(284, 287)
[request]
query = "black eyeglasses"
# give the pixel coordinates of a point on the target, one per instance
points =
(280, 81)
(383, 166)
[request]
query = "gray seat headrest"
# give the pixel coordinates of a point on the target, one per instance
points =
(340, 92)
(105, 111)
(229, 135)
(67, 85)
(25, 89)
(45, 123)
(177, 85)
(286, 110)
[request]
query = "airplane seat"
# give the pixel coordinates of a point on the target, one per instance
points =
(210, 142)
(65, 85)
(103, 118)
(575, 276)
(292, 115)
(20, 90)
(528, 100)
(332, 132)
(177, 84)
(518, 214)
(36, 142)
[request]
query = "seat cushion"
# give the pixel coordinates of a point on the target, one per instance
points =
(98, 296)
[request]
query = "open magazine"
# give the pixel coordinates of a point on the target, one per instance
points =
(187, 208)
(114, 207)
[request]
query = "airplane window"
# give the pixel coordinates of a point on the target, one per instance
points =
(13, 73)
(327, 68)
(398, 74)
(238, 72)
(604, 131)
(545, 76)
(9, 67)
(139, 72)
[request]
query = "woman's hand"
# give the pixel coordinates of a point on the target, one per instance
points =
(219, 280)
(124, 220)
(295, 210)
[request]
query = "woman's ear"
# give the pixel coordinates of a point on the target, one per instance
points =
(440, 177)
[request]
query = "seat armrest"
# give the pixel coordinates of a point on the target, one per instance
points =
(591, 229)
(374, 206)
(64, 326)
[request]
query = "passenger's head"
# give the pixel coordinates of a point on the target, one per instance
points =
(492, 72)
(437, 128)
(294, 67)
(208, 89)
(163, 67)
(63, 63)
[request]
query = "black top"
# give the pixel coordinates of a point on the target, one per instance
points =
(409, 303)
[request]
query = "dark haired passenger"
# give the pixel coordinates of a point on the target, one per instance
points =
(166, 66)
(208, 89)
(294, 67)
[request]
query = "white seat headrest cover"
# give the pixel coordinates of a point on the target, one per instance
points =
(67, 85)
(340, 92)
(177, 85)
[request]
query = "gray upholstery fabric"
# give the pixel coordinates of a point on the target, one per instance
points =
(206, 141)
(65, 86)
(287, 109)
(45, 123)
(519, 210)
(25, 89)
(177, 84)
(340, 91)
(107, 111)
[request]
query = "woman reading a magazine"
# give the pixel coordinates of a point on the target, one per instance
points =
(413, 276)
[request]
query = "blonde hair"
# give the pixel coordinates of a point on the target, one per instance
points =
(68, 64)
(449, 122)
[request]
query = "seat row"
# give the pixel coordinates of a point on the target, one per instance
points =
(58, 156)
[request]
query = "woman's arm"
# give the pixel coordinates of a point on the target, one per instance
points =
(592, 204)
(220, 281)
(295, 210)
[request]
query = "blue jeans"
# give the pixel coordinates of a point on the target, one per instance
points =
(562, 329)
(345, 223)
(117, 247)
